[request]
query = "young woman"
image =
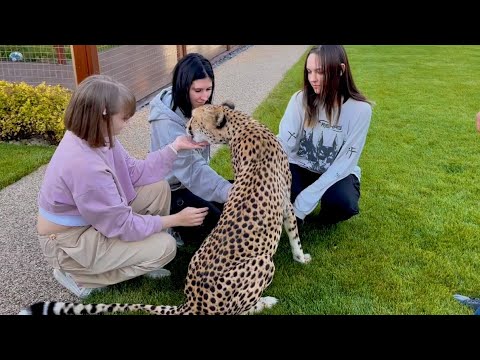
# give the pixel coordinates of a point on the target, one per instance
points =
(103, 214)
(323, 132)
(192, 180)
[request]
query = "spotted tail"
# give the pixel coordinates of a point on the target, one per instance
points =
(68, 308)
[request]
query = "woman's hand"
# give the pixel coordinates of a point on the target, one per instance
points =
(184, 142)
(189, 216)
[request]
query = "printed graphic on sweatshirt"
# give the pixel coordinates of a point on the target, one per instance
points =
(319, 146)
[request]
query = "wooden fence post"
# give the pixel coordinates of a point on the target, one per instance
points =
(181, 51)
(85, 61)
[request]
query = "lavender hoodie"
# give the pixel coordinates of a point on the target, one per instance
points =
(95, 185)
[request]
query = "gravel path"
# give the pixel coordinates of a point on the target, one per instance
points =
(246, 77)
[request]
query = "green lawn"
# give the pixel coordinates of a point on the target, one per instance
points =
(16, 161)
(416, 240)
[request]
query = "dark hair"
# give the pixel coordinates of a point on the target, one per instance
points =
(191, 67)
(336, 84)
(84, 115)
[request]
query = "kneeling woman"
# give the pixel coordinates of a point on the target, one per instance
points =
(103, 215)
(323, 131)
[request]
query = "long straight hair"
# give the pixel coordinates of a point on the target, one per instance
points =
(191, 67)
(94, 102)
(337, 84)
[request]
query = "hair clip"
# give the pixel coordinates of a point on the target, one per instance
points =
(104, 112)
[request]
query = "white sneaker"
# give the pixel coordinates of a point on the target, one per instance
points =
(176, 236)
(67, 281)
(158, 274)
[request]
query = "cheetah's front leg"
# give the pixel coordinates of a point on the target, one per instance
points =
(290, 225)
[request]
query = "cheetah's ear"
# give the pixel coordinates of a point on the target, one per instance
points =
(220, 118)
(229, 104)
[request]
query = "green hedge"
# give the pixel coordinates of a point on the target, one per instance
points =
(28, 111)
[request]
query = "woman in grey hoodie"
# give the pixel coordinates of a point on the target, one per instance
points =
(323, 132)
(193, 182)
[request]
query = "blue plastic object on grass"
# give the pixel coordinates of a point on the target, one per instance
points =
(15, 56)
(470, 302)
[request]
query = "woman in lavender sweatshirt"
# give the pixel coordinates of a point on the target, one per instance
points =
(103, 215)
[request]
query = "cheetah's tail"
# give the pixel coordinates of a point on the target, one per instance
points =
(68, 308)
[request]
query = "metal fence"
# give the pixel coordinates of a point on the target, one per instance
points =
(143, 68)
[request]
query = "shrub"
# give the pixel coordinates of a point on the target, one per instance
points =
(28, 111)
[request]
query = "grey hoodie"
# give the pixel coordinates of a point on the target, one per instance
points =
(333, 151)
(191, 169)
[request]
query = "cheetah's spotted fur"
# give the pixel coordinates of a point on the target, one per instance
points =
(234, 264)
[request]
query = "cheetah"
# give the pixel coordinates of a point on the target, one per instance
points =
(234, 264)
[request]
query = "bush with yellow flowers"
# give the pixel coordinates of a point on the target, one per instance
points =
(28, 111)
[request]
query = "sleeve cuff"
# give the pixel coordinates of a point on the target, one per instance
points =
(226, 189)
(173, 149)
(298, 213)
(158, 223)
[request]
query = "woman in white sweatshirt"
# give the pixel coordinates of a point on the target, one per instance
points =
(323, 131)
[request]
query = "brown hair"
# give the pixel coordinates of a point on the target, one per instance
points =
(85, 115)
(336, 84)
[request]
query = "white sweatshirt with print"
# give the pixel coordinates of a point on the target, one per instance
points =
(332, 152)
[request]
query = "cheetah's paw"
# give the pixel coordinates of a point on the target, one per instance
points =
(302, 258)
(269, 301)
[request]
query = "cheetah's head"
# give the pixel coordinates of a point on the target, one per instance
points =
(210, 123)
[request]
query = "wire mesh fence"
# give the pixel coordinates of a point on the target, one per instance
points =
(145, 69)
(34, 64)
(142, 68)
(209, 51)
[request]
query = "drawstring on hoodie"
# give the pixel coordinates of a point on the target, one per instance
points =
(207, 158)
(161, 108)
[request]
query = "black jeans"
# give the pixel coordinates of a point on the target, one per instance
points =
(183, 198)
(338, 203)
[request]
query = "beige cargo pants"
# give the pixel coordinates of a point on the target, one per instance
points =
(94, 260)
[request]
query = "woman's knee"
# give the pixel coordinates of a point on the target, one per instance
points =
(160, 248)
(345, 207)
(339, 208)
(349, 211)
(343, 196)
(169, 245)
(162, 187)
